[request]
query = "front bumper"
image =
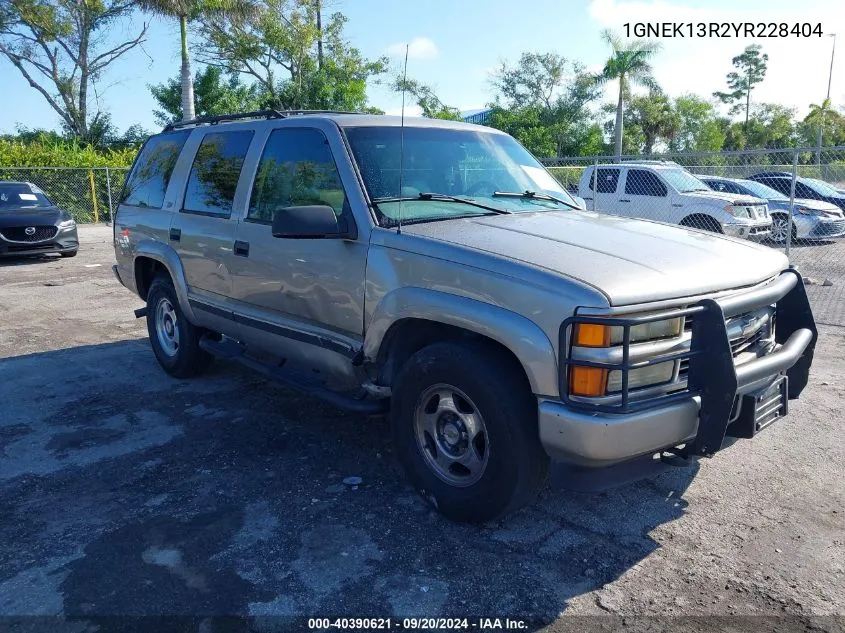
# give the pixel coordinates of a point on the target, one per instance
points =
(827, 228)
(755, 231)
(65, 241)
(701, 415)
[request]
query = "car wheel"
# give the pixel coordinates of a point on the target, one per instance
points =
(174, 339)
(69, 253)
(465, 430)
(780, 228)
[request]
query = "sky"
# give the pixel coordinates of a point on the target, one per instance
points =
(455, 45)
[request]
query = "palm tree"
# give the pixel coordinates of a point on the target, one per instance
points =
(185, 11)
(629, 63)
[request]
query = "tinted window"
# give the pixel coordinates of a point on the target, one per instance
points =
(150, 176)
(643, 183)
(296, 169)
(14, 195)
(803, 191)
(215, 172)
(716, 185)
(606, 180)
(779, 184)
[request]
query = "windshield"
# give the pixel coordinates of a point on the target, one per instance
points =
(762, 191)
(820, 186)
(463, 163)
(18, 194)
(683, 181)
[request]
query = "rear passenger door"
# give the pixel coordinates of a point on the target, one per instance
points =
(645, 196)
(203, 231)
(604, 192)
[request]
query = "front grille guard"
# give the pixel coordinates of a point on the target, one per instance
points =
(712, 375)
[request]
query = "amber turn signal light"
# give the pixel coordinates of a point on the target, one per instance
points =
(591, 335)
(587, 381)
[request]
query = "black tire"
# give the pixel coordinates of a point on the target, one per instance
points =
(781, 237)
(188, 358)
(516, 465)
(69, 253)
(703, 222)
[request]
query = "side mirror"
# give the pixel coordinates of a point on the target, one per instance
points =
(313, 221)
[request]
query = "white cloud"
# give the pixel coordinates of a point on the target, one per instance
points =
(418, 48)
(797, 69)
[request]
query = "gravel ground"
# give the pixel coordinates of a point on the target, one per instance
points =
(126, 492)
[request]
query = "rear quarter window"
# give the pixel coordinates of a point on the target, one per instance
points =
(606, 180)
(148, 180)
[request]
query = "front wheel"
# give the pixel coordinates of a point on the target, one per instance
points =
(465, 430)
(174, 339)
(780, 229)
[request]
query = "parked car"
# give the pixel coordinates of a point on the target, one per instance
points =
(31, 224)
(805, 188)
(811, 219)
(666, 192)
(500, 326)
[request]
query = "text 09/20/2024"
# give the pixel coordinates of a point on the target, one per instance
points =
(722, 29)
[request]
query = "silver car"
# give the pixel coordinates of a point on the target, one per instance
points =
(437, 272)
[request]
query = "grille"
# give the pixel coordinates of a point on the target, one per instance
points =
(830, 228)
(18, 233)
(738, 344)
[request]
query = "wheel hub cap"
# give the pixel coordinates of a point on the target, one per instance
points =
(451, 435)
(167, 327)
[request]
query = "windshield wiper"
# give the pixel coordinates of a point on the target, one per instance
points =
(533, 195)
(442, 197)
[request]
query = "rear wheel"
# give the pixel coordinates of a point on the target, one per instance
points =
(780, 228)
(465, 430)
(174, 339)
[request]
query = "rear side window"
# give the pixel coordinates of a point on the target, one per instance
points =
(643, 183)
(296, 169)
(784, 185)
(607, 180)
(147, 184)
(215, 173)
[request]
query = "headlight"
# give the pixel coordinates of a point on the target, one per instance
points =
(66, 224)
(737, 211)
(642, 376)
(806, 211)
(592, 335)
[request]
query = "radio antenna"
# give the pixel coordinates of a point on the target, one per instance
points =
(402, 141)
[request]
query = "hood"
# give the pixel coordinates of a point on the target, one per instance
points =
(728, 198)
(29, 216)
(628, 260)
(809, 203)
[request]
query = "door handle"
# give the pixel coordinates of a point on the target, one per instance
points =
(175, 235)
(241, 248)
(624, 200)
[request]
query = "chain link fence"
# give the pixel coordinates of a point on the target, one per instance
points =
(90, 194)
(788, 199)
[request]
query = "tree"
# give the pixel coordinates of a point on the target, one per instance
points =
(279, 48)
(771, 126)
(656, 117)
(833, 121)
(630, 63)
(61, 49)
(752, 70)
(542, 101)
(213, 93)
(430, 104)
(188, 10)
(698, 128)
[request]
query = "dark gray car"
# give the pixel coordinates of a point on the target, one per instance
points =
(30, 224)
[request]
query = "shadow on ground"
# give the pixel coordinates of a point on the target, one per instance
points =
(126, 492)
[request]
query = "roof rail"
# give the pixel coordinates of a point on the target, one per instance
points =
(238, 116)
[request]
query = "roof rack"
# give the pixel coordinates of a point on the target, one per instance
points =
(649, 162)
(239, 116)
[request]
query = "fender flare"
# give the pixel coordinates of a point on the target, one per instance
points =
(704, 209)
(524, 338)
(168, 257)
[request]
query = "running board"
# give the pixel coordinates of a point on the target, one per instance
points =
(232, 350)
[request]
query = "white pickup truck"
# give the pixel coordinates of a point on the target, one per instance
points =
(666, 192)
